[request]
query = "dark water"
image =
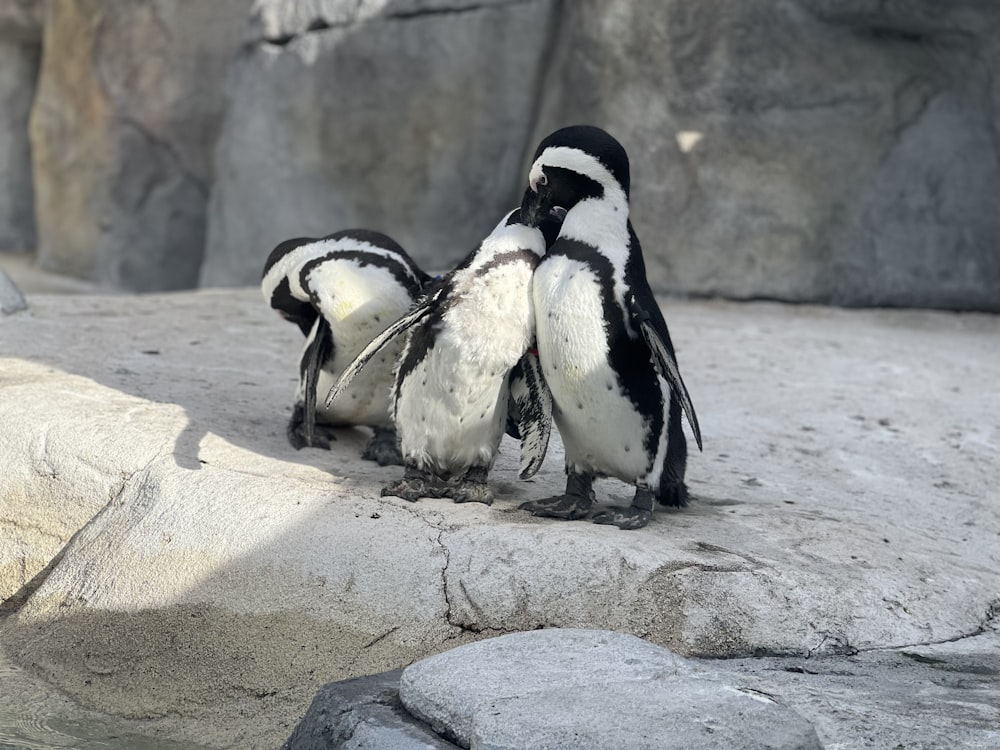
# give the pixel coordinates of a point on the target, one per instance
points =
(35, 717)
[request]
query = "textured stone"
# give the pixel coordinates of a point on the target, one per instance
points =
(362, 714)
(20, 52)
(11, 299)
(128, 108)
(411, 123)
(928, 696)
(152, 509)
(449, 690)
(814, 150)
(21, 20)
(662, 714)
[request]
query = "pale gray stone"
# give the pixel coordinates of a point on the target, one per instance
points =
(819, 151)
(129, 103)
(414, 124)
(659, 714)
(449, 690)
(11, 299)
(19, 63)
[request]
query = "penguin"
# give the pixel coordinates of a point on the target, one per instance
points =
(603, 344)
(341, 291)
(466, 366)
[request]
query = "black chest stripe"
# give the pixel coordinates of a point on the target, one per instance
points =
(629, 358)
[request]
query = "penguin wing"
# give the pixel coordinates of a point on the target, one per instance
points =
(414, 316)
(318, 351)
(649, 321)
(531, 409)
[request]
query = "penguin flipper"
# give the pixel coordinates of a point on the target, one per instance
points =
(665, 361)
(318, 351)
(414, 316)
(531, 408)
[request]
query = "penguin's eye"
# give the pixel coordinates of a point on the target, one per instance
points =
(542, 180)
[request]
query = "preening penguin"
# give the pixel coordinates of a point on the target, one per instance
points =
(454, 379)
(602, 341)
(341, 291)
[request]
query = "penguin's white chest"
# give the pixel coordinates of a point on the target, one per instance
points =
(359, 302)
(450, 410)
(601, 429)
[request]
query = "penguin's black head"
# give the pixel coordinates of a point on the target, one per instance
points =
(571, 165)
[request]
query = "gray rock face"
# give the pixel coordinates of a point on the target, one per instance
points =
(821, 151)
(363, 714)
(449, 690)
(20, 53)
(932, 696)
(412, 123)
(11, 299)
(587, 690)
(122, 132)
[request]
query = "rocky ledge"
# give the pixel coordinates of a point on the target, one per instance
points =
(166, 556)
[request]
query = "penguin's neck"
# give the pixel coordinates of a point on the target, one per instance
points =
(600, 222)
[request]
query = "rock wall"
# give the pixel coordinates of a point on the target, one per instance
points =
(412, 120)
(129, 103)
(806, 150)
(20, 51)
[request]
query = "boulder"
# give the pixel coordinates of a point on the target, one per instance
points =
(128, 109)
(20, 53)
(165, 554)
(811, 151)
(568, 689)
(939, 695)
(363, 713)
(410, 118)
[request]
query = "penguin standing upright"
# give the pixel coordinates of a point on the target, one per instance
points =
(341, 291)
(603, 344)
(466, 355)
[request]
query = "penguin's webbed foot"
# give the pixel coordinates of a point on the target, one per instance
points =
(572, 505)
(635, 516)
(472, 487)
(415, 484)
(321, 438)
(568, 507)
(383, 448)
(624, 518)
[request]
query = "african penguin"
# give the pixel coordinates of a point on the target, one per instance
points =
(603, 344)
(454, 379)
(341, 291)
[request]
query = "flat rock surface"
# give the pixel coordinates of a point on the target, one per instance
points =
(572, 689)
(165, 554)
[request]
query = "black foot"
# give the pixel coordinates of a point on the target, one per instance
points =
(472, 487)
(322, 435)
(637, 515)
(416, 484)
(572, 505)
(383, 448)
(624, 518)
